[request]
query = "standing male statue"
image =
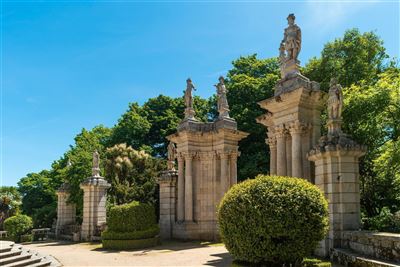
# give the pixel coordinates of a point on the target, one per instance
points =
(222, 102)
(171, 156)
(189, 111)
(96, 164)
(292, 39)
(335, 100)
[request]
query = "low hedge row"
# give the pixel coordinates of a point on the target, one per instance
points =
(112, 235)
(131, 243)
(131, 217)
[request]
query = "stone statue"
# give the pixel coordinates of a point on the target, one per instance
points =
(292, 39)
(189, 111)
(335, 100)
(96, 164)
(171, 156)
(223, 106)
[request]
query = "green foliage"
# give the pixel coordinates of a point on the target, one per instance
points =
(249, 81)
(150, 232)
(10, 202)
(18, 225)
(314, 262)
(45, 216)
(132, 174)
(131, 217)
(384, 222)
(273, 219)
(123, 244)
(353, 59)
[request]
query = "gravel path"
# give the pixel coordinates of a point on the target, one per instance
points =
(167, 254)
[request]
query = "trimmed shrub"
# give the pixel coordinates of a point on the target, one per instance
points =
(18, 225)
(131, 243)
(151, 232)
(131, 226)
(273, 220)
(131, 217)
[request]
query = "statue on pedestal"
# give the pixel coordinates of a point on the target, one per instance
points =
(335, 100)
(289, 48)
(96, 164)
(222, 102)
(189, 111)
(171, 156)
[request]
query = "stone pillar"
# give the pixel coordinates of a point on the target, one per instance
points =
(66, 212)
(306, 146)
(224, 173)
(94, 205)
(233, 165)
(288, 154)
(296, 130)
(272, 156)
(281, 150)
(181, 189)
(336, 173)
(188, 188)
(167, 183)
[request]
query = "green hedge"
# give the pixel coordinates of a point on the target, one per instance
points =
(131, 217)
(273, 220)
(18, 225)
(131, 244)
(151, 232)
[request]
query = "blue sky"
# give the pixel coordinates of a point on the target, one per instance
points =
(68, 65)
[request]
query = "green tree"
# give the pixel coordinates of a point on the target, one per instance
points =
(354, 59)
(10, 202)
(132, 174)
(249, 81)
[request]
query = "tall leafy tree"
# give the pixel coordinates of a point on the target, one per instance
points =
(10, 202)
(249, 81)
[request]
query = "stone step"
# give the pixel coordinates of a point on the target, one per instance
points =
(347, 257)
(26, 262)
(10, 253)
(43, 263)
(4, 249)
(13, 259)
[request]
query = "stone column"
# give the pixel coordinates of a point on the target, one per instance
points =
(233, 163)
(296, 129)
(94, 205)
(280, 134)
(288, 154)
(224, 173)
(188, 188)
(167, 182)
(181, 189)
(66, 212)
(272, 152)
(306, 146)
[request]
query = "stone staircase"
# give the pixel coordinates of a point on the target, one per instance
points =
(347, 257)
(15, 255)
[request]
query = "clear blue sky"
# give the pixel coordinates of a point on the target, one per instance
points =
(69, 65)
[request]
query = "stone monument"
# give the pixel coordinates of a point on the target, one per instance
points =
(66, 212)
(336, 159)
(293, 114)
(189, 110)
(94, 201)
(207, 155)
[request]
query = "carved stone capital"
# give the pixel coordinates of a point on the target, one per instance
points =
(280, 131)
(271, 142)
(297, 127)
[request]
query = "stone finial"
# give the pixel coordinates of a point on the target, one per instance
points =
(222, 102)
(335, 106)
(189, 110)
(290, 48)
(96, 164)
(172, 154)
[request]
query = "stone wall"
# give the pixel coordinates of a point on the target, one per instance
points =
(383, 246)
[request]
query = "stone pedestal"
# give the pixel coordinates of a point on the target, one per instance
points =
(94, 206)
(167, 182)
(207, 167)
(292, 119)
(337, 175)
(66, 212)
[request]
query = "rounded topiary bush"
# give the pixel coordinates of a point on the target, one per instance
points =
(273, 219)
(130, 226)
(18, 225)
